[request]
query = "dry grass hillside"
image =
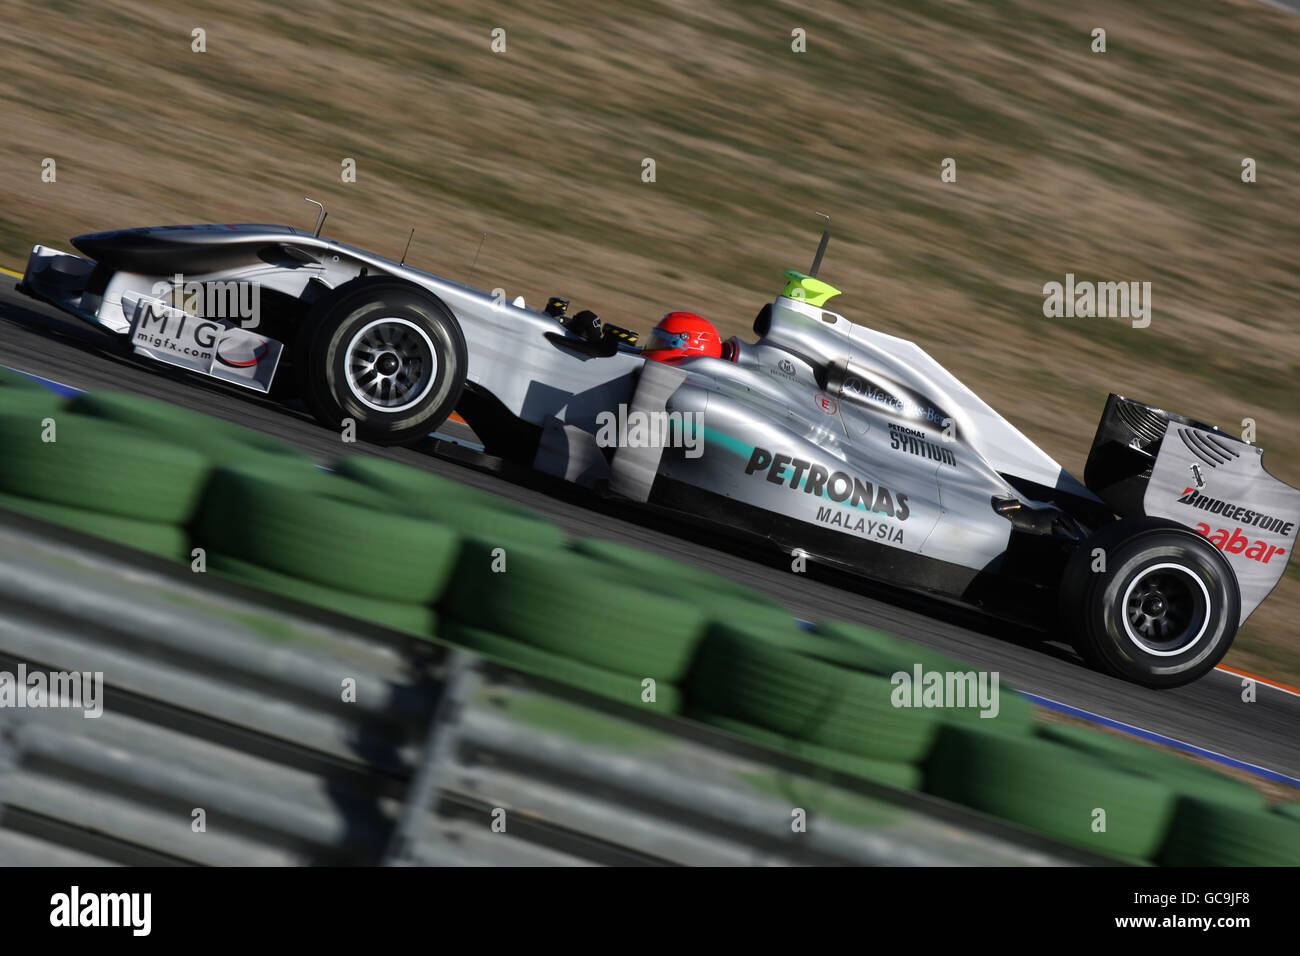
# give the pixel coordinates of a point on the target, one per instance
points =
(1123, 165)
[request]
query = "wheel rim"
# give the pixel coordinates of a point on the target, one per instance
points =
(1166, 609)
(390, 364)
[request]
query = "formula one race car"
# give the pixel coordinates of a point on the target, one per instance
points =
(827, 438)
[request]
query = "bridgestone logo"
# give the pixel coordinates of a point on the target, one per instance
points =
(1238, 513)
(912, 442)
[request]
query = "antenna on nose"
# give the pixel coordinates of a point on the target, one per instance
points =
(473, 264)
(821, 247)
(320, 216)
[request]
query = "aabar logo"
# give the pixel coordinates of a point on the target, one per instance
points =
(835, 485)
(1234, 542)
(1237, 513)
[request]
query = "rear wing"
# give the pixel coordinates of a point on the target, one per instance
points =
(1148, 461)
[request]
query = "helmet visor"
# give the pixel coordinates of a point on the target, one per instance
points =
(661, 341)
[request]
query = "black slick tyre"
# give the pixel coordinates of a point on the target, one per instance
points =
(384, 354)
(1163, 611)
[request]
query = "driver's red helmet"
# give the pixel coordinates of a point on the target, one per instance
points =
(682, 335)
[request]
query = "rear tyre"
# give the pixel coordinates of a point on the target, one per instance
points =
(386, 355)
(1162, 613)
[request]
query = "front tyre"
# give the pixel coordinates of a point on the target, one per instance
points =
(386, 355)
(1163, 611)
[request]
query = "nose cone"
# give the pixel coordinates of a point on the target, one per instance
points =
(110, 247)
(160, 250)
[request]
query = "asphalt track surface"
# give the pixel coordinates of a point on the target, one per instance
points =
(1208, 714)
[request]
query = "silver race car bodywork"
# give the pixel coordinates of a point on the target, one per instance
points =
(823, 436)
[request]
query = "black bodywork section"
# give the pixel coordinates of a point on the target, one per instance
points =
(1125, 447)
(1020, 584)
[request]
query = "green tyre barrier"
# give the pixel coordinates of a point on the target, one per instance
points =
(760, 678)
(413, 618)
(666, 575)
(1181, 775)
(38, 403)
(884, 653)
(17, 381)
(99, 466)
(888, 656)
(566, 604)
(625, 688)
(220, 440)
(165, 540)
(720, 598)
(325, 540)
(490, 525)
(1051, 789)
(893, 774)
(416, 486)
(302, 475)
(1205, 833)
